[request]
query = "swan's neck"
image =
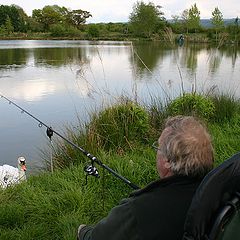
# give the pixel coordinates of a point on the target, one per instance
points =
(21, 173)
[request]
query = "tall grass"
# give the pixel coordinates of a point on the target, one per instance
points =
(119, 126)
(49, 207)
(225, 137)
(226, 106)
(52, 205)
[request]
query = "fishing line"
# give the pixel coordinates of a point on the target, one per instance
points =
(90, 169)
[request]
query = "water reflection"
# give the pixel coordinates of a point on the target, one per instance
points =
(232, 52)
(57, 79)
(10, 58)
(29, 90)
(191, 67)
(215, 59)
(148, 56)
(56, 57)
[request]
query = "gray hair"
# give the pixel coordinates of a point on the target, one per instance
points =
(187, 146)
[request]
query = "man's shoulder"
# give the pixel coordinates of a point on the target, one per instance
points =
(173, 182)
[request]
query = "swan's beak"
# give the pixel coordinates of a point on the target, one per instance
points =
(24, 168)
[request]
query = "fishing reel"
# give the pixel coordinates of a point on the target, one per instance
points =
(91, 170)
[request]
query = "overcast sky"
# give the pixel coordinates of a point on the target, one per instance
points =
(119, 10)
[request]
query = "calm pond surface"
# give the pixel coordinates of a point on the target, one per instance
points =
(61, 81)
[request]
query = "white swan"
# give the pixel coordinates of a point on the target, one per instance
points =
(10, 175)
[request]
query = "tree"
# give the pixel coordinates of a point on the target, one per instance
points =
(34, 25)
(93, 31)
(177, 24)
(47, 16)
(194, 18)
(2, 30)
(78, 17)
(51, 15)
(146, 18)
(12, 12)
(184, 18)
(8, 25)
(217, 20)
(23, 17)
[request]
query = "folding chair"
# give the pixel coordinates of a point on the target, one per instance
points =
(227, 222)
(214, 211)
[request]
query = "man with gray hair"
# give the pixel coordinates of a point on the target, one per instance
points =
(158, 211)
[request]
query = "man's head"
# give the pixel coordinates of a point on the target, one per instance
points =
(185, 148)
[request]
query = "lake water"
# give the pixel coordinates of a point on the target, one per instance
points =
(60, 82)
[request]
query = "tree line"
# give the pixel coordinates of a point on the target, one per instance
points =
(14, 19)
(146, 20)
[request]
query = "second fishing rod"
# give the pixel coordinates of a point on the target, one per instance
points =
(91, 170)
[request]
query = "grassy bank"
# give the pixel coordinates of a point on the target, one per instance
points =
(113, 36)
(51, 206)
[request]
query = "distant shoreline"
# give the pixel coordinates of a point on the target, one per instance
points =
(201, 38)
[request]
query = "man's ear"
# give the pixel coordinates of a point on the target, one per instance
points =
(167, 165)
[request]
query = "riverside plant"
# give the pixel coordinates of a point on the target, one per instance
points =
(119, 126)
(192, 104)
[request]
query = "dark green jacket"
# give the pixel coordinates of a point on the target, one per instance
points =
(156, 212)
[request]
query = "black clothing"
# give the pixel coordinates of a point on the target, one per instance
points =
(156, 212)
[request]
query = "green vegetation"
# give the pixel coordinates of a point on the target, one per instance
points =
(59, 30)
(13, 15)
(119, 126)
(192, 104)
(146, 21)
(226, 107)
(193, 18)
(51, 206)
(217, 21)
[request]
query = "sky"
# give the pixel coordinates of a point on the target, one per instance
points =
(119, 10)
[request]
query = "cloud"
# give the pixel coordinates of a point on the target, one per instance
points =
(29, 90)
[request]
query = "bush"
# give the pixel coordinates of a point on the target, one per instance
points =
(3, 30)
(118, 126)
(93, 31)
(210, 33)
(192, 104)
(58, 30)
(225, 107)
(73, 32)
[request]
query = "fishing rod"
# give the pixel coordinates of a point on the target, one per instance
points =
(90, 169)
